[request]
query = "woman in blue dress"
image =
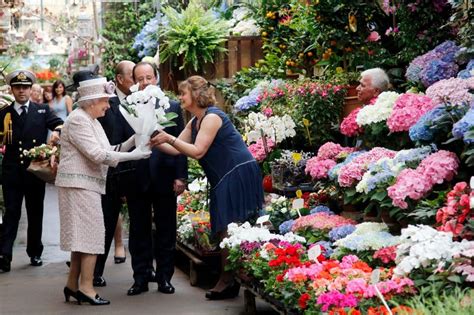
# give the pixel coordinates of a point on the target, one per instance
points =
(236, 192)
(61, 104)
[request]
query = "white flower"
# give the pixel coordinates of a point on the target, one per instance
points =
(134, 88)
(380, 111)
(199, 184)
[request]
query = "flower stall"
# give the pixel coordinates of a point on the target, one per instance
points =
(368, 211)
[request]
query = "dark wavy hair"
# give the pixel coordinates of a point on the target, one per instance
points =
(202, 90)
(55, 85)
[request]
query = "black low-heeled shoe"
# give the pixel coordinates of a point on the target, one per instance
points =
(119, 260)
(68, 293)
(231, 291)
(97, 300)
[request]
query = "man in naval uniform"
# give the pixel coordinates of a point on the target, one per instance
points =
(25, 125)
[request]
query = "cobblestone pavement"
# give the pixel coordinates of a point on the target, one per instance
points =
(38, 290)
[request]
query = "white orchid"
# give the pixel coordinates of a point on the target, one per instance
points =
(199, 184)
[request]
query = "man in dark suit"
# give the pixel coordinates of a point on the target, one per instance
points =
(117, 186)
(160, 179)
(27, 125)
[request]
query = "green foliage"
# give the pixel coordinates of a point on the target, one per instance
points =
(194, 170)
(433, 301)
(192, 36)
(122, 22)
(425, 210)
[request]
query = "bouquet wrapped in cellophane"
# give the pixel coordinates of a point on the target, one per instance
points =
(42, 158)
(144, 115)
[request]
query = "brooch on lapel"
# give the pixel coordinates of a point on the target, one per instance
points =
(41, 111)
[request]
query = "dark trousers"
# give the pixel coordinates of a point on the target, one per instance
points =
(140, 238)
(111, 205)
(19, 183)
(164, 215)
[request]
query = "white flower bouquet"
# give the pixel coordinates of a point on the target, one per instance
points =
(144, 115)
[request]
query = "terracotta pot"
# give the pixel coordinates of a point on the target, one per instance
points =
(351, 101)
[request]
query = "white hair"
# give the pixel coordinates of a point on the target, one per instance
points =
(379, 78)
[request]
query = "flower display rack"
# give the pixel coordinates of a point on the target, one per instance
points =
(253, 290)
(197, 260)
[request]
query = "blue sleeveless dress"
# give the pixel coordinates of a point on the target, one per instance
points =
(60, 108)
(236, 191)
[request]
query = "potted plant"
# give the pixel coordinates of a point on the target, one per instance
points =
(192, 37)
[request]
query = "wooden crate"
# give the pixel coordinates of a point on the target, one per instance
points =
(243, 51)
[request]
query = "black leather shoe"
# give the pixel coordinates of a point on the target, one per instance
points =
(165, 286)
(137, 288)
(99, 282)
(231, 291)
(5, 264)
(68, 293)
(97, 300)
(119, 260)
(36, 261)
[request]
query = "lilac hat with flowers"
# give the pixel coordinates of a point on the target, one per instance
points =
(95, 88)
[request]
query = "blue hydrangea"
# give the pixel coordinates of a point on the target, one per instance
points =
(414, 155)
(321, 209)
(146, 41)
(245, 103)
(340, 232)
(464, 125)
(382, 173)
(422, 131)
(327, 247)
(286, 226)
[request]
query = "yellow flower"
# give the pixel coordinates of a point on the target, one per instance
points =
(296, 157)
(339, 70)
(352, 22)
(299, 193)
(305, 122)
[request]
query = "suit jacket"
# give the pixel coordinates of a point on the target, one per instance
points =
(158, 173)
(85, 153)
(33, 132)
(117, 130)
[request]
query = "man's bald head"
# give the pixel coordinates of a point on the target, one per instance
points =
(124, 76)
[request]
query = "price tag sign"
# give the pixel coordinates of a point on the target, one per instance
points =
(297, 204)
(314, 252)
(375, 276)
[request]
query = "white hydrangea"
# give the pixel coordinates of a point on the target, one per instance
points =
(380, 111)
(245, 232)
(185, 228)
(423, 246)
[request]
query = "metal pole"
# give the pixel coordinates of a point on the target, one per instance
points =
(42, 26)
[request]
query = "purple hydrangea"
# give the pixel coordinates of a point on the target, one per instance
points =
(286, 226)
(146, 41)
(437, 70)
(333, 172)
(341, 231)
(321, 209)
(245, 103)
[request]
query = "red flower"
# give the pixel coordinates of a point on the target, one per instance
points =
(303, 300)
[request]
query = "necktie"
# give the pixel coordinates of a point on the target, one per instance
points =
(23, 113)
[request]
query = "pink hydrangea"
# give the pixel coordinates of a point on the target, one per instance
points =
(258, 149)
(453, 90)
(352, 172)
(320, 221)
(414, 184)
(349, 126)
(317, 168)
(408, 108)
